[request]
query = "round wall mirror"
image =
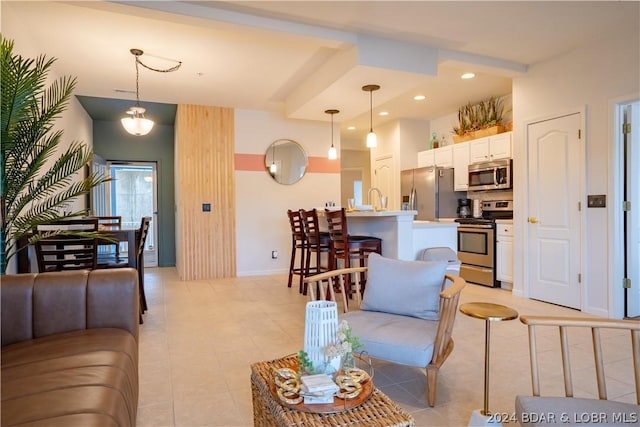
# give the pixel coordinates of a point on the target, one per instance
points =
(286, 161)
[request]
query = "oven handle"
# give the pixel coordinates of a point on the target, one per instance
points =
(474, 226)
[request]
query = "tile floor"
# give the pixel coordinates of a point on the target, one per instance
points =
(200, 337)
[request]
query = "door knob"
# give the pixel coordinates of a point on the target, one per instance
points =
(533, 220)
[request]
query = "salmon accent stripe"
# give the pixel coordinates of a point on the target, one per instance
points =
(249, 162)
(255, 163)
(323, 165)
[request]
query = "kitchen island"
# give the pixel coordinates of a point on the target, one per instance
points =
(432, 234)
(402, 237)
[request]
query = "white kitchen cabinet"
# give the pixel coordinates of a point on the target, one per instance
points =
(426, 158)
(500, 146)
(504, 254)
(479, 150)
(461, 166)
(490, 148)
(443, 156)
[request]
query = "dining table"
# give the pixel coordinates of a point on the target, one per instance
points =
(129, 235)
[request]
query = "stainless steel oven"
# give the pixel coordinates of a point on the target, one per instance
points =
(476, 251)
(477, 242)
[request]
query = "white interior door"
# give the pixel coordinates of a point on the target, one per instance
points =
(554, 229)
(383, 175)
(632, 258)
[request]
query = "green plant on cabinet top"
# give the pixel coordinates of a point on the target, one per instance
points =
(474, 117)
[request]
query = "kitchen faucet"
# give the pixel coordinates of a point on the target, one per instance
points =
(369, 195)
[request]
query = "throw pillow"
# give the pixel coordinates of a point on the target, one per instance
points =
(410, 288)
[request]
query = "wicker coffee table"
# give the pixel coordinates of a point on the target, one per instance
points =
(378, 410)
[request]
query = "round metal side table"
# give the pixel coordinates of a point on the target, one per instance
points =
(489, 312)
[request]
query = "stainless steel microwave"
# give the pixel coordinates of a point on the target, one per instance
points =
(493, 175)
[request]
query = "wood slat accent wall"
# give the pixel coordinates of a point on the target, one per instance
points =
(205, 241)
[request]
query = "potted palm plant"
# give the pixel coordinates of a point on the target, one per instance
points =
(39, 180)
(479, 120)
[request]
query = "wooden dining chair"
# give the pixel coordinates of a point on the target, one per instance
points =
(109, 252)
(297, 245)
(349, 248)
(316, 244)
(109, 223)
(141, 239)
(68, 244)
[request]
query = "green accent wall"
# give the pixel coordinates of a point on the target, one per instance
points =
(113, 143)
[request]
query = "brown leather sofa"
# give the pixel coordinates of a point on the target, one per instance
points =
(70, 348)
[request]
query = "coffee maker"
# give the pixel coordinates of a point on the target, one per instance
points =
(464, 208)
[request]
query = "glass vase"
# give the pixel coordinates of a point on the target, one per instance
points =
(348, 361)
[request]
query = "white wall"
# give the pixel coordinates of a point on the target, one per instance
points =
(442, 126)
(588, 77)
(77, 126)
(75, 121)
(262, 224)
(401, 139)
(389, 137)
(353, 163)
(414, 137)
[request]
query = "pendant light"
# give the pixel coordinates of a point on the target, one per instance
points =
(333, 153)
(273, 168)
(372, 140)
(135, 123)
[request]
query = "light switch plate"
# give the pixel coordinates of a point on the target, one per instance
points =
(597, 201)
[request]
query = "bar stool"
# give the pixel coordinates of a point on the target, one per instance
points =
(349, 248)
(297, 243)
(317, 242)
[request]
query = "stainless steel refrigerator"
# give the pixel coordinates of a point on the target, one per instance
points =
(429, 190)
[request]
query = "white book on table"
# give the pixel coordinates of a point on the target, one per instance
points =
(319, 385)
(315, 400)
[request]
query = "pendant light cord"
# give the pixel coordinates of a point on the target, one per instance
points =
(371, 111)
(332, 129)
(158, 70)
(137, 53)
(137, 84)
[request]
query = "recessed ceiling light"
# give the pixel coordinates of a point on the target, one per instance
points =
(351, 128)
(419, 97)
(383, 113)
(467, 76)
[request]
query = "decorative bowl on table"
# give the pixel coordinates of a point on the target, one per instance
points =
(355, 386)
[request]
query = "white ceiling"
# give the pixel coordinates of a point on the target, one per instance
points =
(301, 57)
